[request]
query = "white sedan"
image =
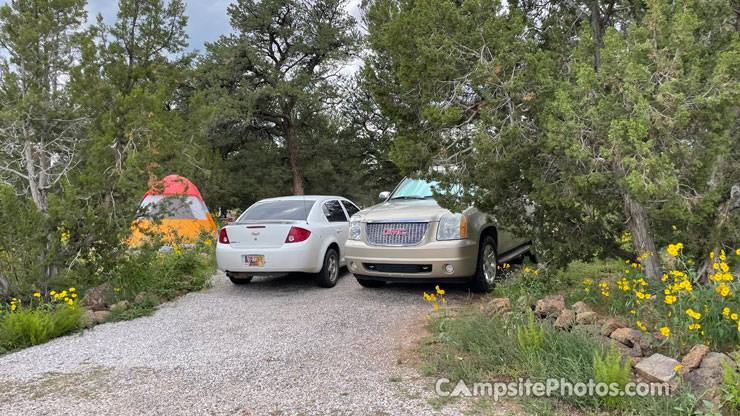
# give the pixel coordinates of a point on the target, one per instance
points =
(287, 234)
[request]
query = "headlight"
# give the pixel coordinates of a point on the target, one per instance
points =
(452, 227)
(355, 228)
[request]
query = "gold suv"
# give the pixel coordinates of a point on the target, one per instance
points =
(408, 237)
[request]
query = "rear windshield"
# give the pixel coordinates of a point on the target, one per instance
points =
(295, 210)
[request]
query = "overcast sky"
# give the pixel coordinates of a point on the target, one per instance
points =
(207, 19)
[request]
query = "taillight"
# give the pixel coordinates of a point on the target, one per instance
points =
(297, 234)
(223, 238)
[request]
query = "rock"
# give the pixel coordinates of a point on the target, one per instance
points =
(705, 380)
(623, 335)
(714, 360)
(580, 307)
(657, 368)
(565, 320)
(625, 350)
(142, 297)
(551, 305)
(179, 293)
(99, 297)
(101, 316)
(693, 358)
(590, 330)
(631, 338)
(497, 306)
(636, 360)
(120, 306)
(610, 326)
(88, 318)
(587, 318)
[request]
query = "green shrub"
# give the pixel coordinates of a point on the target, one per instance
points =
(32, 326)
(26, 327)
(531, 336)
(730, 389)
(611, 370)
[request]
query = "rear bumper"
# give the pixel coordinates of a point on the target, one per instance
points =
(460, 254)
(277, 260)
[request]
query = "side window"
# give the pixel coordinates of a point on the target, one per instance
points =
(333, 212)
(351, 208)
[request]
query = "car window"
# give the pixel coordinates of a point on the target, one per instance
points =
(420, 189)
(333, 212)
(351, 208)
(296, 209)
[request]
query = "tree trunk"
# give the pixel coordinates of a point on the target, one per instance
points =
(721, 221)
(290, 140)
(598, 33)
(642, 236)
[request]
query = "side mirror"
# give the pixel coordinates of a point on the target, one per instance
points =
(383, 196)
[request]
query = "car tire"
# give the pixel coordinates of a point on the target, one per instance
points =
(369, 282)
(329, 273)
(240, 281)
(486, 270)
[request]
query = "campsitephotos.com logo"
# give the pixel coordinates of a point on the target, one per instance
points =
(552, 386)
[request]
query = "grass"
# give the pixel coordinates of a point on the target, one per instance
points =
(476, 348)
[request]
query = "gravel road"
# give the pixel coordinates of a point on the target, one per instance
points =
(277, 346)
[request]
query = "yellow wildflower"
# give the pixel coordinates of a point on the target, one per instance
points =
(733, 317)
(678, 367)
(726, 312)
(665, 331)
(37, 295)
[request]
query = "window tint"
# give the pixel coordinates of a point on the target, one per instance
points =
(296, 209)
(351, 208)
(333, 212)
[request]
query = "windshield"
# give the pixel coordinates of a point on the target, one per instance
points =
(419, 189)
(296, 209)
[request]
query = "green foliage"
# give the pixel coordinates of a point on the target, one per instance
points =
(32, 326)
(603, 128)
(611, 370)
(730, 389)
(531, 336)
(477, 348)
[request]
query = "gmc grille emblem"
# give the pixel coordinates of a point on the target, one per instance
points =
(394, 231)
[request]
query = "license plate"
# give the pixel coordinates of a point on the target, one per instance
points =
(254, 260)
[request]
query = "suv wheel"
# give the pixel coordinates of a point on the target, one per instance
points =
(487, 268)
(329, 274)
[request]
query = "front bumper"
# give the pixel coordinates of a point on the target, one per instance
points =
(300, 258)
(462, 255)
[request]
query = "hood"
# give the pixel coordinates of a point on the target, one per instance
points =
(426, 209)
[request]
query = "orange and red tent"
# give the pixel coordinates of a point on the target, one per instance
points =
(175, 208)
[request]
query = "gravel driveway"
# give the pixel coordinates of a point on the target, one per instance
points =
(278, 345)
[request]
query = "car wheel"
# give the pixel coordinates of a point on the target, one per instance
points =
(487, 269)
(240, 280)
(369, 283)
(329, 273)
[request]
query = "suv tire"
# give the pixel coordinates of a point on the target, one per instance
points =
(486, 270)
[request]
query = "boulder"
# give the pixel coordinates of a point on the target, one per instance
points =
(99, 297)
(551, 305)
(142, 297)
(88, 318)
(693, 358)
(587, 318)
(657, 368)
(610, 326)
(705, 380)
(120, 306)
(714, 360)
(497, 306)
(590, 330)
(580, 307)
(565, 320)
(632, 338)
(101, 316)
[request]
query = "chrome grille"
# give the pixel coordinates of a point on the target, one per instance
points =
(396, 233)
